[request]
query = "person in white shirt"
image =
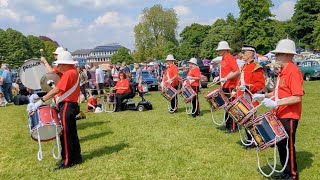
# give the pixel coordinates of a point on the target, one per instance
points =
(99, 80)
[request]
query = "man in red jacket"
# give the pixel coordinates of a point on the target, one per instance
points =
(229, 72)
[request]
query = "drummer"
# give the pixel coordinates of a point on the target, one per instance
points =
(170, 78)
(251, 79)
(229, 72)
(287, 103)
(193, 79)
(68, 109)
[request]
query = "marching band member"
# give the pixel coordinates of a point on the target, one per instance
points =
(229, 71)
(55, 55)
(170, 78)
(287, 103)
(122, 90)
(251, 79)
(193, 79)
(68, 109)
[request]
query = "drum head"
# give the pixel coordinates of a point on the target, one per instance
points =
(31, 72)
(46, 132)
(45, 80)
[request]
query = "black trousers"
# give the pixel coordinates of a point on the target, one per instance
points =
(174, 100)
(230, 123)
(119, 99)
(290, 125)
(195, 102)
(71, 151)
(83, 91)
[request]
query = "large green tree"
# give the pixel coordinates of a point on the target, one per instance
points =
(221, 30)
(35, 44)
(191, 39)
(256, 25)
(316, 34)
(305, 14)
(49, 47)
(122, 55)
(156, 28)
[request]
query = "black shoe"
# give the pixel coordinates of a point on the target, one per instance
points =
(61, 166)
(280, 176)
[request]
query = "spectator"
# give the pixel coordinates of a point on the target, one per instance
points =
(138, 73)
(124, 68)
(93, 103)
(122, 90)
(7, 83)
(83, 79)
(99, 80)
(115, 72)
(1, 80)
(3, 101)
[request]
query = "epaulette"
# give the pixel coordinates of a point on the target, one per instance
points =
(258, 66)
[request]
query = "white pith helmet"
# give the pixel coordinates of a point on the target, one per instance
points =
(193, 61)
(285, 46)
(65, 57)
(170, 58)
(223, 45)
(58, 50)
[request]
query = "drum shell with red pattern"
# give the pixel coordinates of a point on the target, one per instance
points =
(187, 93)
(45, 120)
(266, 130)
(241, 110)
(216, 99)
(169, 92)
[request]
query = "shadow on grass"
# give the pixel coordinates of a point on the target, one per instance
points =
(89, 124)
(104, 151)
(94, 136)
(304, 161)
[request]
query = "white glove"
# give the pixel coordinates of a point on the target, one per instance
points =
(216, 79)
(50, 83)
(36, 105)
(242, 88)
(169, 81)
(223, 80)
(189, 78)
(258, 97)
(269, 103)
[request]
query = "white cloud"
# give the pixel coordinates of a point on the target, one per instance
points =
(49, 6)
(100, 3)
(29, 19)
(62, 22)
(3, 3)
(285, 10)
(182, 10)
(113, 19)
(8, 13)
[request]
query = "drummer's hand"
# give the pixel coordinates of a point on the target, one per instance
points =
(223, 80)
(36, 105)
(43, 59)
(242, 88)
(169, 81)
(258, 97)
(189, 78)
(216, 79)
(269, 103)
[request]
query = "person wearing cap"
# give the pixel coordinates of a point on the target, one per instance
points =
(68, 109)
(251, 79)
(229, 72)
(170, 78)
(286, 101)
(193, 79)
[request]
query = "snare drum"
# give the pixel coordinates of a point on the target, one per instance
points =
(241, 110)
(169, 92)
(266, 130)
(31, 73)
(45, 121)
(187, 93)
(216, 99)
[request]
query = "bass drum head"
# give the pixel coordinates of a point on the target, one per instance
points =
(46, 132)
(31, 72)
(50, 76)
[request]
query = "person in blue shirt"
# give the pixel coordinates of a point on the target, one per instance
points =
(7, 83)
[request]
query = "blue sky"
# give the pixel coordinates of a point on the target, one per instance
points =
(81, 24)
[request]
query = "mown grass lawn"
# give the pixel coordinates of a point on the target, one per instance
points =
(153, 145)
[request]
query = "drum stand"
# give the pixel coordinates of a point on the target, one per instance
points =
(170, 109)
(108, 107)
(189, 109)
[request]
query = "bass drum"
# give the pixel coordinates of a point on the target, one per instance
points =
(31, 73)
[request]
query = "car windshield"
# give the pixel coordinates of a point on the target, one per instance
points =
(147, 74)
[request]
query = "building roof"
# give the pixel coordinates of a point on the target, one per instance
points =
(81, 51)
(108, 48)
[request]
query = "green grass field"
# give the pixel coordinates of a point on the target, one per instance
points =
(153, 145)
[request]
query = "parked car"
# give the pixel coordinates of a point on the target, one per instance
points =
(310, 69)
(148, 78)
(205, 70)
